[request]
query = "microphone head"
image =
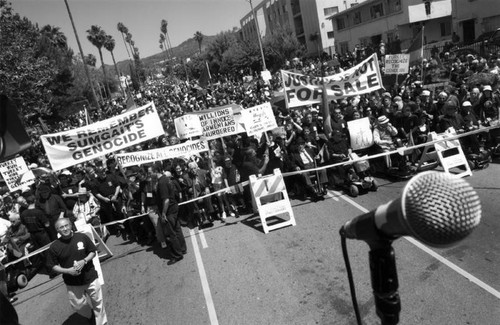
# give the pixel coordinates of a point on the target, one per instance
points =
(440, 209)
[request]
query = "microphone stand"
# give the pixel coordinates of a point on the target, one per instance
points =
(384, 278)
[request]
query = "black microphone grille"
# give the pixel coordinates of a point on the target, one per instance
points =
(440, 209)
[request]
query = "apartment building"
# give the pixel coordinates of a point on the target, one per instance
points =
(307, 19)
(398, 21)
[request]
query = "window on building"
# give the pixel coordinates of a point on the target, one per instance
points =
(340, 23)
(391, 37)
(445, 28)
(394, 6)
(377, 11)
(330, 34)
(357, 18)
(343, 47)
(330, 11)
(365, 41)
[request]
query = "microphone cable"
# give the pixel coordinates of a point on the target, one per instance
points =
(349, 275)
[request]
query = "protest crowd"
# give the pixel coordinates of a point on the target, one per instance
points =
(101, 191)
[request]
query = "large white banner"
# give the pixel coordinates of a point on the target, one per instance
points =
(361, 133)
(169, 152)
(304, 90)
(72, 147)
(258, 119)
(188, 126)
(16, 174)
(397, 63)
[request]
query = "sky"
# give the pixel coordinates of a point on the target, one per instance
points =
(142, 17)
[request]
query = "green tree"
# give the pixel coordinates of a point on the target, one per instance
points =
(25, 75)
(282, 45)
(221, 43)
(198, 36)
(97, 37)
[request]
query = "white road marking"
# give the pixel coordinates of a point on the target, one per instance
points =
(429, 251)
(204, 281)
(203, 239)
(332, 196)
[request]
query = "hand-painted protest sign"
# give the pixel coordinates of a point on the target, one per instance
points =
(169, 152)
(188, 126)
(361, 133)
(361, 79)
(218, 123)
(16, 174)
(75, 146)
(397, 63)
(258, 119)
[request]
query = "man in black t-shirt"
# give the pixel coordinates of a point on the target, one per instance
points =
(71, 255)
(169, 210)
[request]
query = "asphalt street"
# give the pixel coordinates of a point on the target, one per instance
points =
(235, 274)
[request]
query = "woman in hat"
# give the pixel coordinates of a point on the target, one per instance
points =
(86, 210)
(382, 136)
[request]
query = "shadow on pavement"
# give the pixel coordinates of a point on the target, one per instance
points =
(76, 319)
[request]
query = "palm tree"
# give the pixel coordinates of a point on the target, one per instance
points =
(90, 59)
(123, 31)
(97, 36)
(109, 44)
(130, 42)
(198, 36)
(164, 30)
(55, 36)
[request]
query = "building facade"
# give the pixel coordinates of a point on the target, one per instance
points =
(398, 21)
(307, 19)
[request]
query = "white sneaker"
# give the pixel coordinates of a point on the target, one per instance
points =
(163, 244)
(224, 215)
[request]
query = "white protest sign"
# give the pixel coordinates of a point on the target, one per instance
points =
(361, 133)
(397, 63)
(72, 147)
(188, 126)
(361, 79)
(266, 75)
(12, 170)
(218, 123)
(169, 152)
(258, 119)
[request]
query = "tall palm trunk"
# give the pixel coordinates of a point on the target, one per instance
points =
(104, 72)
(118, 74)
(126, 48)
(87, 73)
(167, 38)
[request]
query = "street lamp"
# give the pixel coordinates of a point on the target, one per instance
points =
(258, 36)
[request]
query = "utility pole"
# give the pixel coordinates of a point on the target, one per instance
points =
(83, 57)
(258, 36)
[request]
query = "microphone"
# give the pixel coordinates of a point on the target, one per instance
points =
(436, 208)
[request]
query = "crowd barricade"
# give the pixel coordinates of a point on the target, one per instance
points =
(450, 153)
(270, 199)
(245, 183)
